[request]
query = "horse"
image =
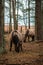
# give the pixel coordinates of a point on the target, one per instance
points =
(16, 39)
(29, 35)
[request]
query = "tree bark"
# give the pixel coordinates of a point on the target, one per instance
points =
(1, 26)
(14, 15)
(10, 24)
(38, 20)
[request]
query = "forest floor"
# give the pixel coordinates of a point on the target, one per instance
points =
(32, 54)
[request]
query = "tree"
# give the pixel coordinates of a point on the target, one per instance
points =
(10, 24)
(14, 15)
(2, 48)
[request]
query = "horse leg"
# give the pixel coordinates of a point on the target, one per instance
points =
(28, 38)
(16, 47)
(10, 45)
(20, 46)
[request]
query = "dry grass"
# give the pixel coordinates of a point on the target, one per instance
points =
(29, 54)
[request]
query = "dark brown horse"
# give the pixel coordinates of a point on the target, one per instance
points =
(16, 41)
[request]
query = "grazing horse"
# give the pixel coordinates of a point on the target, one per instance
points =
(28, 34)
(16, 38)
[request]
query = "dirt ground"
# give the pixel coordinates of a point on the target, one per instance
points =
(32, 54)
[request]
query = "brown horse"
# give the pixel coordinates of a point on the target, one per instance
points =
(28, 35)
(16, 39)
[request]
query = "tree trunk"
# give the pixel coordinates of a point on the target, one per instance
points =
(10, 24)
(14, 15)
(28, 14)
(2, 49)
(38, 20)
